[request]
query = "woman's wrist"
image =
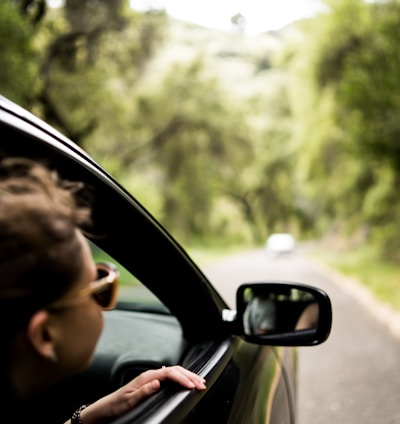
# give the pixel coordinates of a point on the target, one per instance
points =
(95, 413)
(76, 417)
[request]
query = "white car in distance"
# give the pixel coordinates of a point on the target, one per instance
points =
(280, 243)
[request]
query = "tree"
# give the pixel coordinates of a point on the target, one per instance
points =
(239, 22)
(80, 51)
(349, 120)
(188, 140)
(18, 58)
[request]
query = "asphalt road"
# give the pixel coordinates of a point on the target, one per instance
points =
(354, 377)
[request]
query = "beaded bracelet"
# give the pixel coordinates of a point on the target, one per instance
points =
(76, 416)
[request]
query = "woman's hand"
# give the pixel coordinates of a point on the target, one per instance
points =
(138, 389)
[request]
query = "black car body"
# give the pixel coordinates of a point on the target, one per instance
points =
(176, 315)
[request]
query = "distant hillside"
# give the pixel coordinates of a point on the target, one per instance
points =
(242, 63)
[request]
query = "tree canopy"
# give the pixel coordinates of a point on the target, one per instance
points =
(307, 142)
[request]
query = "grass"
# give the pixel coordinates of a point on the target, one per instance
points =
(380, 277)
(206, 255)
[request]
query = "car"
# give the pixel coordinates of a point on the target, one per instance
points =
(169, 313)
(280, 243)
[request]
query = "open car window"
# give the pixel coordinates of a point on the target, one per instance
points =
(133, 295)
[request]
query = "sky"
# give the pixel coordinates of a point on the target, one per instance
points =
(261, 15)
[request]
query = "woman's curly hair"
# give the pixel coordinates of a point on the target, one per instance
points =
(40, 252)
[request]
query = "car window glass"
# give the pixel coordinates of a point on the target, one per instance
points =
(132, 294)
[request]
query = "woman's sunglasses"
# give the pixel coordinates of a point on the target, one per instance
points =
(104, 290)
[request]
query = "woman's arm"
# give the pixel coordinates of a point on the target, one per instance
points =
(131, 394)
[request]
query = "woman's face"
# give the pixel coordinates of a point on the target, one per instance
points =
(80, 323)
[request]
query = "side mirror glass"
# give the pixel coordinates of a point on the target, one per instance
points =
(282, 313)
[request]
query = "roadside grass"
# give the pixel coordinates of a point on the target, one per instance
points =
(206, 255)
(363, 264)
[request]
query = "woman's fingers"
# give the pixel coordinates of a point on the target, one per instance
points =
(148, 383)
(175, 373)
(182, 376)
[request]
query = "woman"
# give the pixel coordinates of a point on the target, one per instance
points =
(50, 303)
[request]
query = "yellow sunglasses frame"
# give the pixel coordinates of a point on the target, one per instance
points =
(97, 286)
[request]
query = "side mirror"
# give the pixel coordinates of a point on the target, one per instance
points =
(283, 314)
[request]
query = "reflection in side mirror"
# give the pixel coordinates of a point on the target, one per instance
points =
(280, 313)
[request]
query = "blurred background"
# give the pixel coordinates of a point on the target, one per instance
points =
(230, 120)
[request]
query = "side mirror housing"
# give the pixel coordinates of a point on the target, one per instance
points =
(283, 314)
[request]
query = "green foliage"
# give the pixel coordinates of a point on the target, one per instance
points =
(203, 158)
(266, 186)
(310, 147)
(84, 54)
(18, 68)
(349, 126)
(367, 90)
(187, 127)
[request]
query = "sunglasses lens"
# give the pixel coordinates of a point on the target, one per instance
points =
(104, 297)
(101, 272)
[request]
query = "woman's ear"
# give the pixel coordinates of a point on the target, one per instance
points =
(40, 335)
